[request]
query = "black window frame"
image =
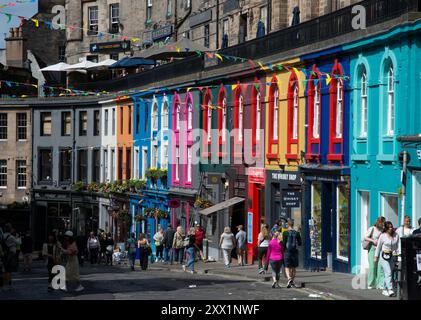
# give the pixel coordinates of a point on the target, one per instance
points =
(63, 164)
(64, 122)
(42, 120)
(97, 122)
(83, 133)
(41, 166)
(82, 166)
(96, 165)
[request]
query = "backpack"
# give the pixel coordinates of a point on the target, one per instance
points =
(292, 240)
(178, 241)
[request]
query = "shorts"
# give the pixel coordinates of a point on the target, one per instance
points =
(10, 263)
(291, 259)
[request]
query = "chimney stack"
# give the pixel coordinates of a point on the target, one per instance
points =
(16, 48)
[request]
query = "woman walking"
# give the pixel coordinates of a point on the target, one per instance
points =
(275, 257)
(227, 243)
(241, 238)
(375, 271)
(387, 245)
(159, 238)
(131, 245)
(178, 244)
(263, 242)
(190, 248)
(51, 254)
(93, 246)
(72, 265)
(144, 251)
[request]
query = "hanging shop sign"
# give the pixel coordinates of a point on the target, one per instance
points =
(291, 199)
(256, 175)
(110, 47)
(162, 32)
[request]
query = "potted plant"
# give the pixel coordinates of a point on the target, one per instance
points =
(153, 175)
(140, 185)
(124, 216)
(162, 214)
(78, 186)
(163, 176)
(202, 203)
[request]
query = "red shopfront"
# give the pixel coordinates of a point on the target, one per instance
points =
(255, 209)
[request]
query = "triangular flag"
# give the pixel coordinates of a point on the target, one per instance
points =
(135, 40)
(188, 89)
(9, 84)
(219, 56)
(256, 86)
(296, 71)
(261, 65)
(304, 82)
(49, 24)
(313, 73)
(210, 55)
(304, 71)
(287, 68)
(252, 64)
(21, 20)
(199, 53)
(233, 87)
(9, 17)
(36, 22)
(328, 79)
(316, 82)
(279, 67)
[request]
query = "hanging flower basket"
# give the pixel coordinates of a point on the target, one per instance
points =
(202, 203)
(174, 203)
(162, 214)
(124, 216)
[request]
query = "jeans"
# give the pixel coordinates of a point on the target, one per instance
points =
(276, 266)
(94, 255)
(179, 255)
(160, 252)
(375, 271)
(191, 257)
(227, 256)
(27, 261)
(132, 258)
(387, 268)
(262, 251)
(169, 255)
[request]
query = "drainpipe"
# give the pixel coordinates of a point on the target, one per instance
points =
(72, 177)
(269, 18)
(404, 172)
(178, 25)
(217, 24)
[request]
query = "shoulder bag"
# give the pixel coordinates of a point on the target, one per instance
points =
(367, 244)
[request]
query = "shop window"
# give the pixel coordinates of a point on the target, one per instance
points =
(342, 222)
(364, 104)
(45, 123)
(316, 220)
(21, 126)
(390, 208)
(3, 126)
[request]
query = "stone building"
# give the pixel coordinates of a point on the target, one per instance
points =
(102, 21)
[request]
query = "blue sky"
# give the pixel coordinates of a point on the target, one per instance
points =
(22, 9)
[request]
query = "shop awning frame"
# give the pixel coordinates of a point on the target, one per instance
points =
(222, 206)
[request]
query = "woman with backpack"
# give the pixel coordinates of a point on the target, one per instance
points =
(263, 244)
(275, 257)
(132, 248)
(370, 241)
(291, 239)
(190, 249)
(144, 251)
(178, 244)
(159, 238)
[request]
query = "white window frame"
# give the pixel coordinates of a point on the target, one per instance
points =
(364, 105)
(113, 163)
(164, 156)
(339, 109)
(20, 125)
(114, 7)
(276, 114)
(164, 116)
(136, 161)
(391, 101)
(383, 196)
(240, 117)
(106, 165)
(20, 174)
(189, 165)
(144, 162)
(177, 164)
(154, 156)
(224, 119)
(209, 128)
(149, 10)
(295, 114)
(92, 20)
(3, 167)
(190, 115)
(154, 117)
(177, 115)
(264, 15)
(258, 115)
(5, 126)
(316, 114)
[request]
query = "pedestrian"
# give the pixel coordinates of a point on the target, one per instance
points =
(387, 245)
(199, 235)
(159, 246)
(51, 254)
(102, 247)
(109, 247)
(291, 240)
(144, 251)
(276, 227)
(227, 244)
(275, 257)
(72, 265)
(27, 249)
(375, 271)
(131, 245)
(1, 264)
(18, 247)
(417, 232)
(190, 241)
(241, 238)
(178, 244)
(9, 244)
(168, 244)
(406, 230)
(263, 243)
(93, 246)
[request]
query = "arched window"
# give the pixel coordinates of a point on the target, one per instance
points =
(258, 115)
(390, 101)
(240, 117)
(364, 104)
(209, 122)
(224, 119)
(275, 119)
(316, 112)
(189, 115)
(339, 109)
(165, 116)
(295, 114)
(177, 115)
(155, 117)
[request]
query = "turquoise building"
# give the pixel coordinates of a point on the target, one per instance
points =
(385, 106)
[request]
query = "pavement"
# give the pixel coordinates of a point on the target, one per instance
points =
(212, 281)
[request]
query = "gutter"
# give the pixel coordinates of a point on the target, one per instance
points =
(415, 138)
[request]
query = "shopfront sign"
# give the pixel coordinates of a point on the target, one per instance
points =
(162, 32)
(291, 199)
(250, 227)
(256, 175)
(280, 176)
(110, 47)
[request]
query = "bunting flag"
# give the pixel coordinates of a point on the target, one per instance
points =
(279, 67)
(219, 56)
(296, 71)
(252, 64)
(36, 22)
(256, 86)
(261, 65)
(9, 17)
(233, 87)
(328, 79)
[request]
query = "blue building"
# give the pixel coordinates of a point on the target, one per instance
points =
(385, 120)
(151, 147)
(325, 173)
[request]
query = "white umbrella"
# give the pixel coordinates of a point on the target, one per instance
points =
(82, 65)
(56, 67)
(106, 63)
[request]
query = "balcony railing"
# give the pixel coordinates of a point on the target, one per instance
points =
(322, 28)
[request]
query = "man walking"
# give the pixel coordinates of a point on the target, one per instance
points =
(291, 240)
(168, 244)
(27, 249)
(199, 236)
(93, 247)
(417, 232)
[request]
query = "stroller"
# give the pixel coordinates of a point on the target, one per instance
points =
(120, 255)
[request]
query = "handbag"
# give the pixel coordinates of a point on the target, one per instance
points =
(367, 244)
(386, 255)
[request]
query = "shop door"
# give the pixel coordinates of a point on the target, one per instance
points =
(328, 202)
(150, 232)
(341, 229)
(364, 213)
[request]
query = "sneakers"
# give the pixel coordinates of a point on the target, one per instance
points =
(391, 293)
(386, 293)
(80, 288)
(261, 271)
(184, 268)
(192, 271)
(274, 285)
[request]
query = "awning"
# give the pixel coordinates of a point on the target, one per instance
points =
(222, 206)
